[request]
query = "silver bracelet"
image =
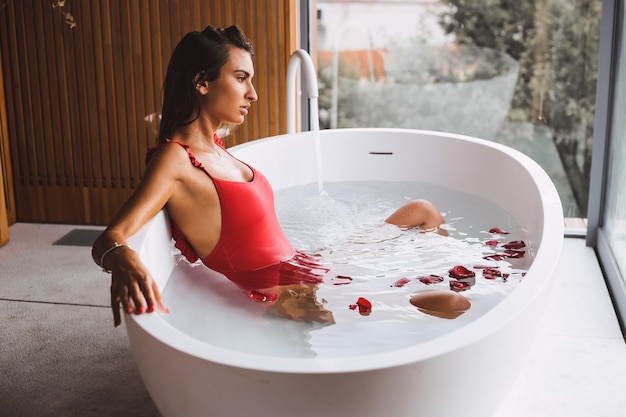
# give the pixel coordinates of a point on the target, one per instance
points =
(111, 249)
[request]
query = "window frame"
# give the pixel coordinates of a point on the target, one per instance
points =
(611, 38)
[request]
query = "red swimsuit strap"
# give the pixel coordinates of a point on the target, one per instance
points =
(194, 161)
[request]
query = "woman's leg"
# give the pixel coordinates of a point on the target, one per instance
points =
(418, 213)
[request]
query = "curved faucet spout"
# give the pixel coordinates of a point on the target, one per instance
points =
(310, 76)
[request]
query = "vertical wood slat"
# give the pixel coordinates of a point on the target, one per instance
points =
(30, 170)
(7, 206)
(11, 77)
(75, 81)
(109, 109)
(76, 98)
(71, 155)
(116, 82)
(137, 86)
(128, 91)
(38, 57)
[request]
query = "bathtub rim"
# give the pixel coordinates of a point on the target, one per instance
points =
(548, 248)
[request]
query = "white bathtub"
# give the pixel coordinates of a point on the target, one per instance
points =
(467, 372)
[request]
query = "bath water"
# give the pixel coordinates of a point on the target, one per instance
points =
(344, 226)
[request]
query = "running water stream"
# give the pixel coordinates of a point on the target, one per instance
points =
(318, 163)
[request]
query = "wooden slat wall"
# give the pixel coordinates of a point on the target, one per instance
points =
(76, 98)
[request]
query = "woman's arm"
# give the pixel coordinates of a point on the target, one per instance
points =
(132, 287)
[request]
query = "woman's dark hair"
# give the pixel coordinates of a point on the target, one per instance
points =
(198, 57)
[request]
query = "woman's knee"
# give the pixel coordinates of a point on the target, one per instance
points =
(417, 213)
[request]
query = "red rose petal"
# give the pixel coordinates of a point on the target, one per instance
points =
(459, 286)
(401, 282)
(262, 297)
(344, 279)
(459, 271)
(363, 302)
(491, 271)
(431, 279)
(365, 307)
(497, 230)
(491, 243)
(516, 244)
(494, 273)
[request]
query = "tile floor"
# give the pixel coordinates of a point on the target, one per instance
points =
(61, 357)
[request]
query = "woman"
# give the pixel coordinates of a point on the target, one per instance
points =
(221, 209)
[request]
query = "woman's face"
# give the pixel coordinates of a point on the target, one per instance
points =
(228, 98)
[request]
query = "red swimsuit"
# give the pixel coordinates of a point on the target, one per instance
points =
(252, 250)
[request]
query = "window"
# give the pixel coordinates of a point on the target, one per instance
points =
(519, 72)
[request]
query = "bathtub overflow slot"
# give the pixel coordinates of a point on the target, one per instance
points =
(380, 153)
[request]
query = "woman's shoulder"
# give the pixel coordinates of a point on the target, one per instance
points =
(169, 151)
(170, 158)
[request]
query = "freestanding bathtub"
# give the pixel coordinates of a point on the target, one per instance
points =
(466, 373)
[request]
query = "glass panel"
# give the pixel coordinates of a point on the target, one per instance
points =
(519, 72)
(615, 203)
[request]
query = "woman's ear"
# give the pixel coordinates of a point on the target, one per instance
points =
(202, 88)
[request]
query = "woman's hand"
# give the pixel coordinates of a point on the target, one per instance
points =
(132, 286)
(298, 302)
